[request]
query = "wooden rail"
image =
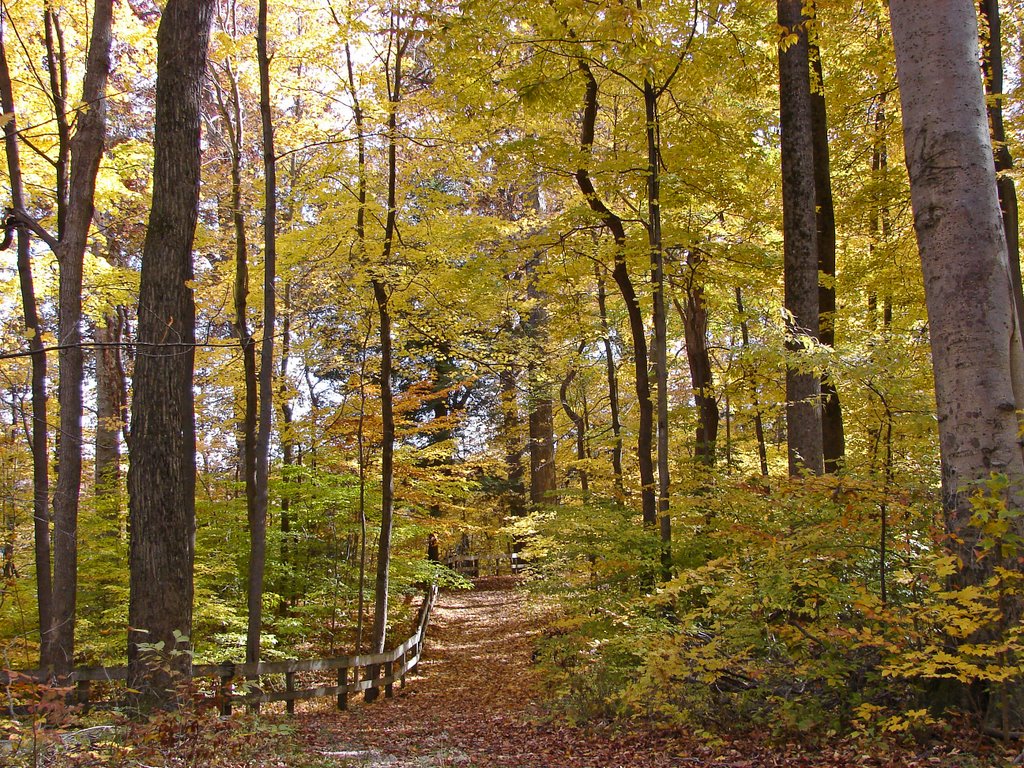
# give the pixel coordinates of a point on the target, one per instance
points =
(396, 664)
(470, 565)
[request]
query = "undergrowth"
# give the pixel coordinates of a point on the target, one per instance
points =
(808, 610)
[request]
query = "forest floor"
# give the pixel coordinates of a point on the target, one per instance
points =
(478, 701)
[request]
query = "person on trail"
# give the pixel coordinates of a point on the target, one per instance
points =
(433, 549)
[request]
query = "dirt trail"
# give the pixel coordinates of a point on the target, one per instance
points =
(475, 702)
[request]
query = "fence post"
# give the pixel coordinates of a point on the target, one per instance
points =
(225, 689)
(343, 688)
(82, 694)
(289, 686)
(371, 673)
(389, 686)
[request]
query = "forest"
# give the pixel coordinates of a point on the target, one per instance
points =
(706, 311)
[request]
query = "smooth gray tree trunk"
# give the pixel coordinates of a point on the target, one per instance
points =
(968, 288)
(960, 235)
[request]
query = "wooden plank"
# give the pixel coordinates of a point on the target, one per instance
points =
(373, 659)
(409, 665)
(267, 697)
(261, 668)
(79, 674)
(407, 646)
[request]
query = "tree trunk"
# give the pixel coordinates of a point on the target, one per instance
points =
(286, 588)
(579, 425)
(381, 296)
(287, 583)
(511, 430)
(230, 106)
(992, 65)
(85, 150)
(879, 224)
(357, 113)
(258, 522)
(762, 450)
(659, 319)
(111, 401)
(613, 385)
(620, 273)
(162, 473)
(833, 436)
(695, 328)
(109, 410)
(543, 482)
(387, 468)
(34, 333)
(803, 388)
(543, 477)
(968, 289)
(56, 65)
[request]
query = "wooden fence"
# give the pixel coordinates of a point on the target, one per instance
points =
(354, 673)
(472, 566)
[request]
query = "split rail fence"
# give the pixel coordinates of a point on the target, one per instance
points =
(354, 673)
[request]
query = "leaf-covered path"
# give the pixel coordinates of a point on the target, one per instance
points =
(476, 701)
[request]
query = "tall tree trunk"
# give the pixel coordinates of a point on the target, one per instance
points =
(361, 449)
(541, 421)
(230, 106)
(258, 523)
(357, 112)
(659, 319)
(287, 585)
(34, 333)
(381, 296)
(613, 384)
(879, 224)
(86, 149)
(162, 472)
(992, 65)
(968, 288)
(833, 436)
(620, 273)
(803, 388)
(378, 635)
